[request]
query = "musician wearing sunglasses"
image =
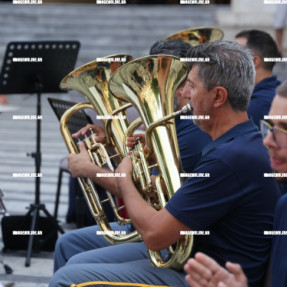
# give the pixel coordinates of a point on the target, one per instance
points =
(235, 204)
(274, 132)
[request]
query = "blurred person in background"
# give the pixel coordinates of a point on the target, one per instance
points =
(262, 46)
(279, 25)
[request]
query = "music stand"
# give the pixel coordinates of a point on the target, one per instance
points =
(77, 121)
(37, 67)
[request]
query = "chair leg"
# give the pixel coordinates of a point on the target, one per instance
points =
(58, 193)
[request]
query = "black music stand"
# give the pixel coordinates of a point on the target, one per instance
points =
(37, 67)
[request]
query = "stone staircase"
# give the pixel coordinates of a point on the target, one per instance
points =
(101, 29)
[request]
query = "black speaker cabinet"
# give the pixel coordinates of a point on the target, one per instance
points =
(16, 231)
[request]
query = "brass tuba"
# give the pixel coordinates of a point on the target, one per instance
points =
(91, 80)
(149, 83)
(196, 36)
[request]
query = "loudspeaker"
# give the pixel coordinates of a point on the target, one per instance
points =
(16, 232)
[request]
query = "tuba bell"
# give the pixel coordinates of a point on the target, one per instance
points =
(196, 36)
(91, 80)
(149, 83)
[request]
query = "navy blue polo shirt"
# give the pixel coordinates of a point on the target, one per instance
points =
(235, 204)
(262, 98)
(191, 141)
(279, 246)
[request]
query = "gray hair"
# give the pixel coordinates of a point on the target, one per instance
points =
(176, 48)
(230, 66)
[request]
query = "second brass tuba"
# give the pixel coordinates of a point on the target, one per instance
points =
(195, 36)
(149, 83)
(91, 80)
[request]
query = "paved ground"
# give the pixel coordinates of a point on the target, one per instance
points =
(102, 31)
(16, 139)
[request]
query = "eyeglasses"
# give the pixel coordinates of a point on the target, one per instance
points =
(279, 135)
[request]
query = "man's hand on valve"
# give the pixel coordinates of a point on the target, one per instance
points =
(87, 131)
(131, 141)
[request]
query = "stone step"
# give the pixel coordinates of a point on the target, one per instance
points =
(82, 10)
(101, 30)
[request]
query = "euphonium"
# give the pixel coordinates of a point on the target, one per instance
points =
(196, 36)
(91, 80)
(150, 83)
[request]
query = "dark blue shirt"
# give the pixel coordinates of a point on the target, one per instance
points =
(191, 141)
(282, 187)
(279, 247)
(236, 203)
(261, 99)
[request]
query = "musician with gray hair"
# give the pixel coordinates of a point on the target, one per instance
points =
(274, 132)
(233, 203)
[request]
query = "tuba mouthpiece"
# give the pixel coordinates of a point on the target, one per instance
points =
(187, 108)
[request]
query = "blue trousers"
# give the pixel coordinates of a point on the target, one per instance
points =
(83, 258)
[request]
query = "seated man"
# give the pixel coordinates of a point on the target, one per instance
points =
(191, 140)
(275, 139)
(223, 203)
